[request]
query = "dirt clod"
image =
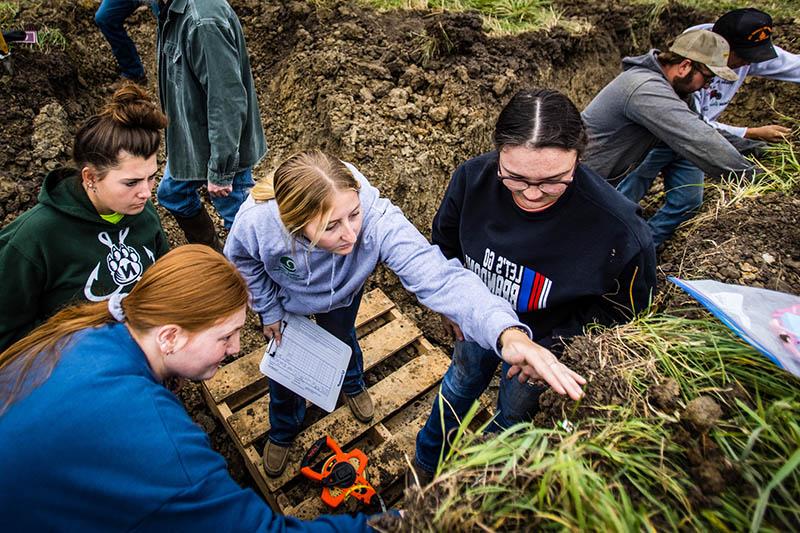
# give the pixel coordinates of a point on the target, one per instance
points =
(665, 395)
(702, 413)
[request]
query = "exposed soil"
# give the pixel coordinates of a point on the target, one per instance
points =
(407, 97)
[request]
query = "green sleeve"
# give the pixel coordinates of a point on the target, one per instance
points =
(20, 294)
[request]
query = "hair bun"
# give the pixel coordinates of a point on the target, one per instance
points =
(131, 106)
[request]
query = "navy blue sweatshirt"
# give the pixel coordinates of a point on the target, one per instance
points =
(587, 258)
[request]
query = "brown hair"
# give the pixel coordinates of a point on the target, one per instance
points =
(130, 122)
(670, 58)
(167, 293)
(303, 186)
(540, 118)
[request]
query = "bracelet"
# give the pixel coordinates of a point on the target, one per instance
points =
(518, 328)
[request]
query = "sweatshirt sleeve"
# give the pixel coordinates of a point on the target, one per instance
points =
(670, 120)
(194, 491)
(442, 285)
(22, 287)
(738, 131)
(785, 67)
(636, 284)
(242, 249)
(217, 502)
(446, 223)
(630, 292)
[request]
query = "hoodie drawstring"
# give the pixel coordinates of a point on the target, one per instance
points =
(308, 268)
(333, 274)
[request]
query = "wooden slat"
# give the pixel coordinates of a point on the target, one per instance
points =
(241, 375)
(373, 305)
(388, 395)
(236, 376)
(252, 421)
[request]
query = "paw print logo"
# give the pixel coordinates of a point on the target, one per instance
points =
(715, 94)
(123, 261)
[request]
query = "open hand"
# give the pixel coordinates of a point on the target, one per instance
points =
(771, 133)
(531, 361)
(218, 191)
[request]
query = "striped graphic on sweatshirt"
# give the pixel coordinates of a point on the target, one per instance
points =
(534, 290)
(524, 288)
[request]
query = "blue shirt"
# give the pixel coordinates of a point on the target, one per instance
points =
(103, 446)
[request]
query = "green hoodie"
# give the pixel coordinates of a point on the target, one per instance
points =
(61, 252)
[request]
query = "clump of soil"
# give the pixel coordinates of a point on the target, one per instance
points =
(665, 395)
(598, 362)
(702, 413)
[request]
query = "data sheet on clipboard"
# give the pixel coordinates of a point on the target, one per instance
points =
(309, 361)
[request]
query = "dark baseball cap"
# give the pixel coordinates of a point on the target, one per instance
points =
(749, 34)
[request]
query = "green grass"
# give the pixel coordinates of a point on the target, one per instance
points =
(499, 16)
(51, 39)
(626, 470)
(776, 8)
(8, 12)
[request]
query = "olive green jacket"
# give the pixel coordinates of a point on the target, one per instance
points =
(207, 92)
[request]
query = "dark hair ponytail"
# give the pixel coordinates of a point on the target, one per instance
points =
(540, 118)
(130, 122)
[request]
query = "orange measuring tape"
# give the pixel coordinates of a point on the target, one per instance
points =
(342, 474)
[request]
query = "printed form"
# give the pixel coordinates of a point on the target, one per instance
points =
(309, 361)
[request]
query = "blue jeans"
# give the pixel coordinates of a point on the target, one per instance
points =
(181, 197)
(287, 409)
(683, 186)
(470, 372)
(110, 17)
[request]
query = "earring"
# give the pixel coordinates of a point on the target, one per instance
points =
(92, 187)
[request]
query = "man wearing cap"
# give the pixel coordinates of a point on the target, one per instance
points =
(749, 35)
(646, 104)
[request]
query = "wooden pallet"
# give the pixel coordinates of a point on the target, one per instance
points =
(238, 395)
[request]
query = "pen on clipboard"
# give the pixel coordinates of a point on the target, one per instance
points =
(272, 347)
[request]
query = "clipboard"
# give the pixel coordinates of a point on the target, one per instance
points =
(309, 361)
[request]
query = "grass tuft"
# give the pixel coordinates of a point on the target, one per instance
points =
(51, 39)
(500, 17)
(8, 12)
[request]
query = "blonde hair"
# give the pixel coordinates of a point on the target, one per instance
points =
(167, 293)
(303, 187)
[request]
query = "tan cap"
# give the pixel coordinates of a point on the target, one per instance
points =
(707, 48)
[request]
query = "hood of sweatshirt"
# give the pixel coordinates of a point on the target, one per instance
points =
(61, 190)
(307, 279)
(647, 61)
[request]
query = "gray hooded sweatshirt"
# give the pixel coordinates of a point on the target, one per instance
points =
(638, 109)
(286, 274)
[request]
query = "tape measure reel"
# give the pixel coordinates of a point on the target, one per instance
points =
(341, 475)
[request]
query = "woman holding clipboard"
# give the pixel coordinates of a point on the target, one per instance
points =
(307, 240)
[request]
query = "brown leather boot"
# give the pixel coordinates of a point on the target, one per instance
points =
(275, 458)
(361, 406)
(199, 229)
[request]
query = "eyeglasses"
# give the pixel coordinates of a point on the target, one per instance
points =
(705, 72)
(548, 187)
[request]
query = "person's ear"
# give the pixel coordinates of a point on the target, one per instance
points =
(171, 338)
(89, 177)
(685, 67)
